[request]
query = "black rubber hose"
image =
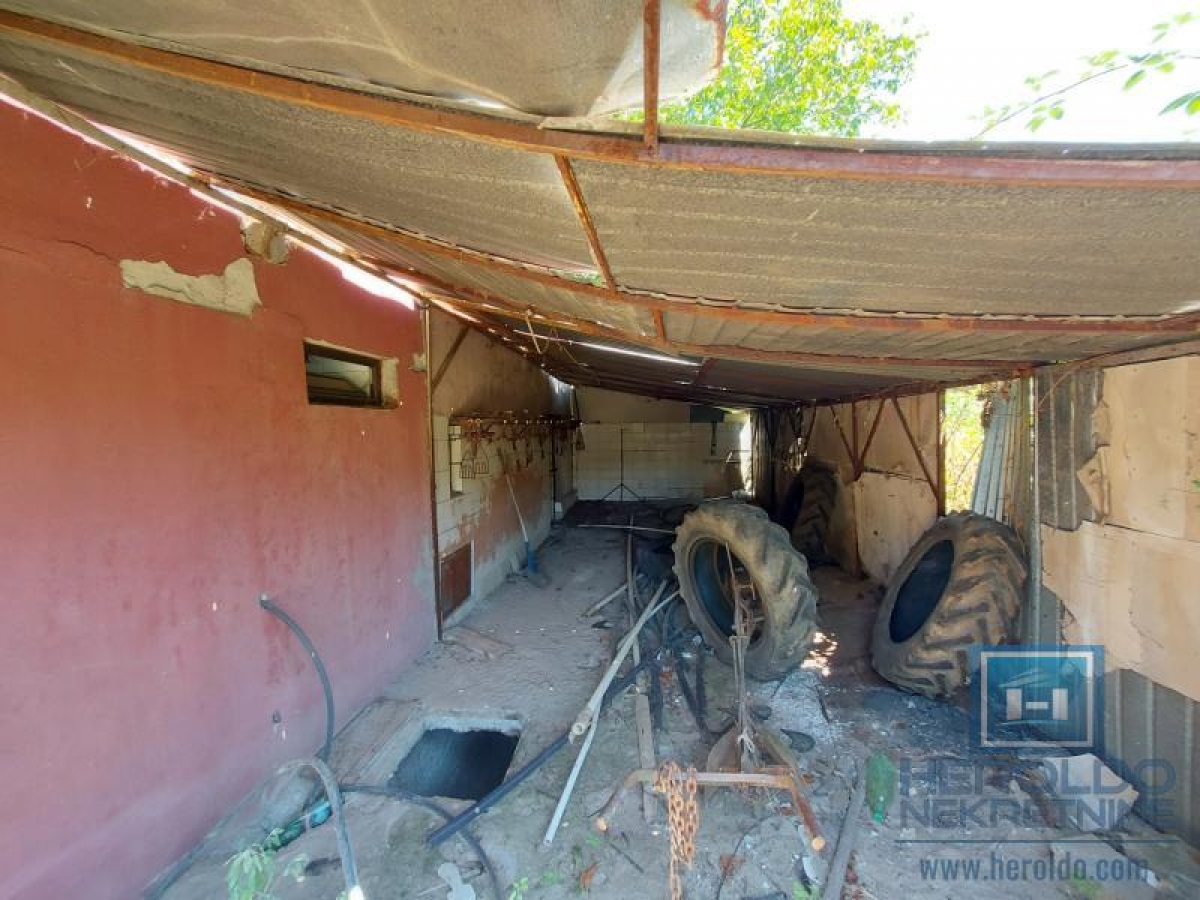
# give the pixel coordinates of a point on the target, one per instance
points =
(465, 833)
(345, 851)
(270, 606)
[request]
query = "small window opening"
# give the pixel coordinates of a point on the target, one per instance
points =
(341, 377)
(456, 461)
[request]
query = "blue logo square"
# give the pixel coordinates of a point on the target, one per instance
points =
(1033, 696)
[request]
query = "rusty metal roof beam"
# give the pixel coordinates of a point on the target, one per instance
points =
(507, 309)
(895, 322)
(651, 45)
(677, 153)
(599, 257)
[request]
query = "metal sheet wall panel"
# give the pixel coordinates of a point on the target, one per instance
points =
(1065, 442)
(479, 195)
(1146, 721)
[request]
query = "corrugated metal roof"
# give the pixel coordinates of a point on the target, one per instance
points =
(511, 52)
(800, 269)
(896, 246)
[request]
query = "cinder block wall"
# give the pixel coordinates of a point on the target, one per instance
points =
(482, 513)
(662, 459)
(486, 379)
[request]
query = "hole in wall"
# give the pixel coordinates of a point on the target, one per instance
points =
(463, 763)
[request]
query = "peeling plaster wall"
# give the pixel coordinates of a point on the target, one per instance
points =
(1125, 580)
(161, 468)
(879, 517)
(485, 378)
(655, 448)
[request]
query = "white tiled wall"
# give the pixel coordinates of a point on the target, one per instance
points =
(459, 514)
(676, 460)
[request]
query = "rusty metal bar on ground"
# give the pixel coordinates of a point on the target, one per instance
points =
(836, 876)
(916, 448)
(651, 52)
(772, 778)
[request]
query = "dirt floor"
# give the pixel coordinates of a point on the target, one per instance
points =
(537, 665)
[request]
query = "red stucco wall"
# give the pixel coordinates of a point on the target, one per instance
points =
(159, 467)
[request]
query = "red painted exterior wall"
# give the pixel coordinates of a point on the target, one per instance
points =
(159, 468)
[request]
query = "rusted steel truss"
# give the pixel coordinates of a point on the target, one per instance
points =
(930, 479)
(728, 156)
(651, 42)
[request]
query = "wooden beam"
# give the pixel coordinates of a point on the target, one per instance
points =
(448, 358)
(585, 219)
(828, 160)
(903, 323)
(651, 41)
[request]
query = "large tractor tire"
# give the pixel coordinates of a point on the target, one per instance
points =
(785, 601)
(961, 584)
(806, 511)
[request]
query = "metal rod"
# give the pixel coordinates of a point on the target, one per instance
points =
(430, 455)
(600, 604)
(584, 719)
(651, 52)
(599, 257)
(631, 528)
(916, 448)
(569, 787)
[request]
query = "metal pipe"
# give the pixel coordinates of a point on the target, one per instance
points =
(354, 890)
(569, 787)
(1033, 584)
(427, 340)
(270, 606)
(586, 715)
(630, 528)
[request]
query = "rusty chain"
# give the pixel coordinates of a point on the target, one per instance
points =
(678, 786)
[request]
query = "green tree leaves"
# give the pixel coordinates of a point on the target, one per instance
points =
(801, 66)
(1052, 87)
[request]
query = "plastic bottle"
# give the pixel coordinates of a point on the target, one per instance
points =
(881, 785)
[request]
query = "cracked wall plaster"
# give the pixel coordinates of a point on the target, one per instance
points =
(233, 291)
